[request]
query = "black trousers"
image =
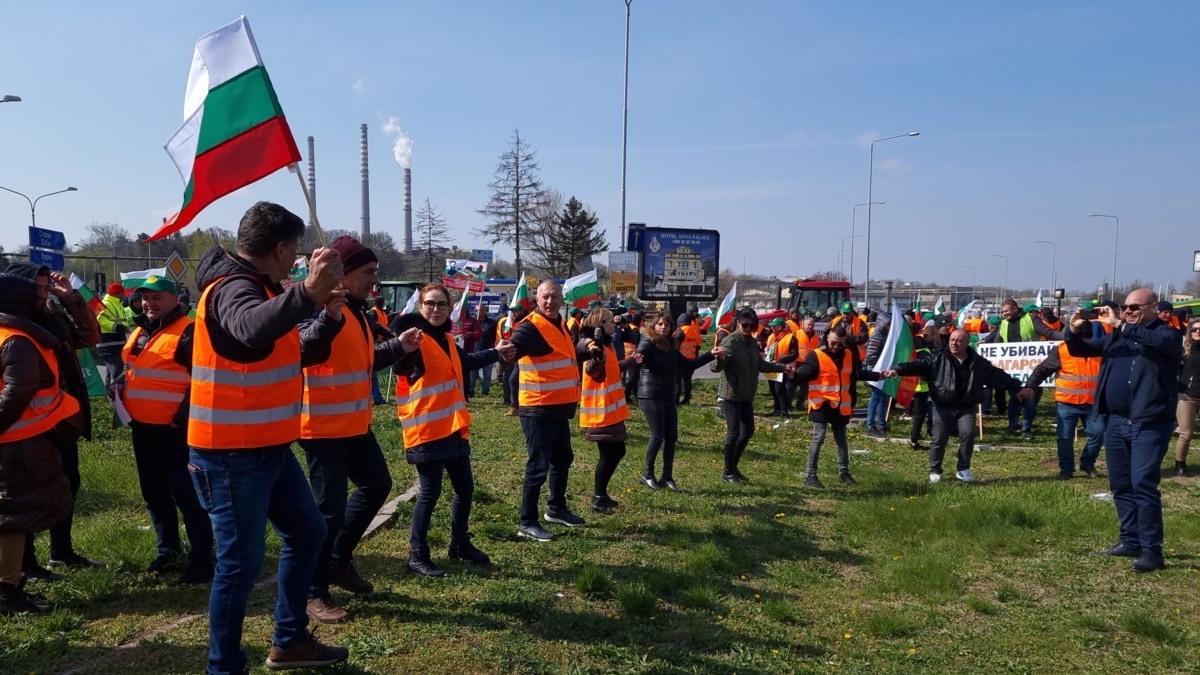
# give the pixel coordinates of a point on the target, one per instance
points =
(161, 453)
(663, 419)
(739, 428)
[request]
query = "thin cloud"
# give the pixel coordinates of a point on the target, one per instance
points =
(359, 86)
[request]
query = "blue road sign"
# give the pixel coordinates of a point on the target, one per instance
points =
(53, 259)
(636, 240)
(40, 238)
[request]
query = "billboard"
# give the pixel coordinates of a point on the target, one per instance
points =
(679, 263)
(461, 274)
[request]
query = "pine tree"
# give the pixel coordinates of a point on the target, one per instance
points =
(516, 190)
(563, 243)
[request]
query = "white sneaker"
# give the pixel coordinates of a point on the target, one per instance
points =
(934, 477)
(965, 476)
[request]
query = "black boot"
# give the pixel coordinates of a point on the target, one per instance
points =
(13, 600)
(463, 549)
(1180, 469)
(419, 563)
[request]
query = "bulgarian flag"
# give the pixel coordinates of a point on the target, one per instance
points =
(411, 305)
(917, 307)
(1038, 302)
(92, 300)
(579, 290)
(456, 313)
(961, 315)
(134, 279)
(521, 295)
(939, 307)
(233, 132)
(725, 311)
(898, 348)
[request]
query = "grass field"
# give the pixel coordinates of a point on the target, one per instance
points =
(890, 576)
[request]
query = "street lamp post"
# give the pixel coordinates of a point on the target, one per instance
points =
(853, 218)
(843, 250)
(1003, 288)
(1053, 264)
(870, 192)
(33, 202)
(625, 123)
(1112, 290)
(972, 268)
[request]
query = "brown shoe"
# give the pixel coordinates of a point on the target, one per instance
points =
(324, 609)
(512, 412)
(308, 653)
(347, 577)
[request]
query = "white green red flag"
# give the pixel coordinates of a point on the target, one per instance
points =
(521, 295)
(134, 279)
(939, 307)
(92, 300)
(234, 132)
(961, 315)
(578, 291)
(725, 311)
(1038, 302)
(411, 305)
(897, 348)
(456, 313)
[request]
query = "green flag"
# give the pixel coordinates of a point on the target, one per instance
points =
(95, 383)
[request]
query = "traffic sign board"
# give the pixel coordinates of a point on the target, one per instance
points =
(51, 239)
(637, 238)
(176, 266)
(52, 259)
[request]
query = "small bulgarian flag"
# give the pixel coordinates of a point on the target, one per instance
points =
(456, 313)
(961, 315)
(234, 132)
(578, 291)
(411, 305)
(725, 311)
(92, 300)
(521, 295)
(134, 279)
(939, 307)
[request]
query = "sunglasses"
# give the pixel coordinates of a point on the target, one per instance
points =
(1194, 329)
(1133, 307)
(747, 325)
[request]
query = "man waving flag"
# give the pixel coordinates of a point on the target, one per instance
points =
(897, 349)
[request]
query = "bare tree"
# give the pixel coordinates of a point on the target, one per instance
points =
(564, 242)
(515, 190)
(828, 275)
(431, 230)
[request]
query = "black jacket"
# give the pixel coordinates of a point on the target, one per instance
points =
(661, 368)
(955, 386)
(1150, 355)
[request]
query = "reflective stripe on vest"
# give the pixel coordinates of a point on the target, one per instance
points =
(603, 403)
(154, 383)
(690, 347)
(1077, 379)
(235, 405)
(48, 407)
(831, 384)
(337, 392)
(551, 379)
(805, 344)
(1028, 333)
(433, 407)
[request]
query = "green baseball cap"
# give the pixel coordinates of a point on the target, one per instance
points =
(1031, 307)
(993, 320)
(847, 306)
(777, 321)
(1087, 304)
(157, 283)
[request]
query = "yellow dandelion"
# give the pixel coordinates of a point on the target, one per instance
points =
(912, 650)
(847, 636)
(743, 577)
(778, 515)
(895, 557)
(774, 651)
(757, 596)
(891, 508)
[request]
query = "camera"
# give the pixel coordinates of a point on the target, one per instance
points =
(1089, 314)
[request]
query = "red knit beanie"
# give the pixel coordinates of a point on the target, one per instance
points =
(116, 289)
(353, 253)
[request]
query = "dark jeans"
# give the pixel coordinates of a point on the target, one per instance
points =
(611, 454)
(1068, 417)
(684, 385)
(1023, 411)
(943, 421)
(739, 428)
(61, 546)
(376, 393)
(631, 378)
(920, 416)
(332, 463)
(998, 397)
(243, 490)
(778, 396)
(1135, 453)
(663, 419)
(818, 439)
(462, 481)
(161, 454)
(484, 376)
(507, 386)
(548, 444)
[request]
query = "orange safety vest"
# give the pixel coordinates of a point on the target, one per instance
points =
(854, 329)
(380, 316)
(1057, 324)
(503, 332)
(243, 405)
(48, 407)
(973, 325)
(337, 393)
(572, 324)
(551, 379)
(603, 403)
(831, 384)
(782, 344)
(433, 407)
(1077, 379)
(690, 347)
(806, 343)
(154, 383)
(793, 326)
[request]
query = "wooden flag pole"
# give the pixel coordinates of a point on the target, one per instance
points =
(312, 208)
(979, 419)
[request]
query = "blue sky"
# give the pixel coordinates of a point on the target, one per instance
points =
(752, 118)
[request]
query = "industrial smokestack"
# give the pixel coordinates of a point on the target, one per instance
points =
(365, 229)
(312, 179)
(408, 245)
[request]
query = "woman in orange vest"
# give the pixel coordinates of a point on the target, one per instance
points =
(602, 406)
(689, 339)
(35, 492)
(435, 423)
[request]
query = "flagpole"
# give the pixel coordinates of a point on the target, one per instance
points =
(312, 208)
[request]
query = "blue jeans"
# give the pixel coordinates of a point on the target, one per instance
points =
(332, 464)
(877, 410)
(548, 443)
(376, 393)
(1068, 416)
(1018, 409)
(485, 375)
(242, 490)
(1135, 453)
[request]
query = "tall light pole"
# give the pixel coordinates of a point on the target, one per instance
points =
(853, 218)
(870, 188)
(1112, 289)
(33, 202)
(972, 268)
(1003, 288)
(843, 250)
(1053, 267)
(625, 123)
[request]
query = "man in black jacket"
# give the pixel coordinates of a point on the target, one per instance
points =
(956, 377)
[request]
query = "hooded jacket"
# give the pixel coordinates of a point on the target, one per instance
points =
(958, 387)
